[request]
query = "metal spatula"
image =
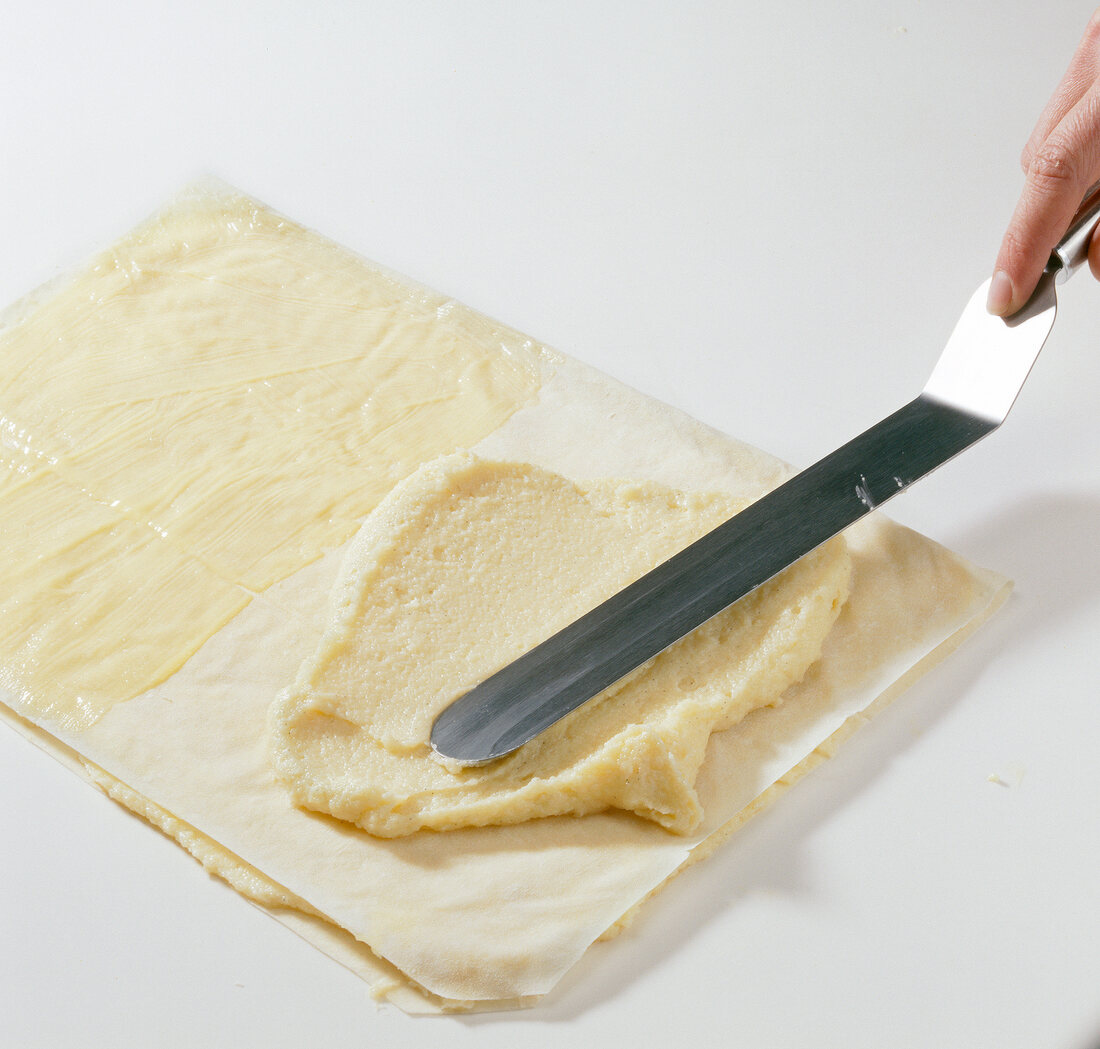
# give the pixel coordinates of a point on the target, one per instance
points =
(972, 388)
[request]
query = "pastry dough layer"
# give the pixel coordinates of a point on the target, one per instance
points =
(485, 915)
(206, 408)
(215, 859)
(469, 563)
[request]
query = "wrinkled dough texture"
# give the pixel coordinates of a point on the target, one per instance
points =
(216, 859)
(469, 563)
(201, 411)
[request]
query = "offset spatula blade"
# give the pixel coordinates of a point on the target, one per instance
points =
(971, 390)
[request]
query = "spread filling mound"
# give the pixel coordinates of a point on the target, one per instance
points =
(469, 563)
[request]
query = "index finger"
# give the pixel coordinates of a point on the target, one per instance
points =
(1081, 72)
(1062, 168)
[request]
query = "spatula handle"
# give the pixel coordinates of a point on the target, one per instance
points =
(1072, 251)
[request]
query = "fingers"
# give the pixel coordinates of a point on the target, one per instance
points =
(1083, 69)
(1061, 169)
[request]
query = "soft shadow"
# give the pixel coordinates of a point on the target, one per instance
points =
(765, 857)
(1048, 546)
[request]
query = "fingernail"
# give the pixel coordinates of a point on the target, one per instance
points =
(1000, 294)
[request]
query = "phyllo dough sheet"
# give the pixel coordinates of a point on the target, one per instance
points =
(199, 422)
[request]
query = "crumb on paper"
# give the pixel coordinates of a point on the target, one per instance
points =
(1011, 775)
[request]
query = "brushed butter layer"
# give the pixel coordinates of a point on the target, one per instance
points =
(203, 410)
(469, 563)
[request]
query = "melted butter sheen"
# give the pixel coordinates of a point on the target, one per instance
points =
(201, 412)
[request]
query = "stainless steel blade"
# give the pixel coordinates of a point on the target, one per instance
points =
(972, 387)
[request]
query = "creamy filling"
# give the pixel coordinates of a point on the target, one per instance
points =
(466, 565)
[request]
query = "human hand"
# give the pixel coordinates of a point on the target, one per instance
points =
(1061, 161)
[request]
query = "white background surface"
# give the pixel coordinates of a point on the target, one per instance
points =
(767, 215)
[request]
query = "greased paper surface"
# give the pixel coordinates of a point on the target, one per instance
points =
(499, 914)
